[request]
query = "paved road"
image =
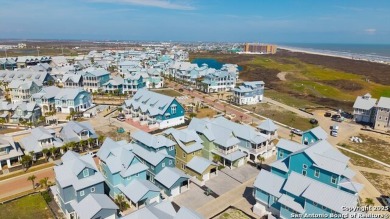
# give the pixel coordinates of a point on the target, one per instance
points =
(19, 184)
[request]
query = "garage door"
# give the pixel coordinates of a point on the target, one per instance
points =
(241, 162)
(206, 176)
(155, 199)
(175, 191)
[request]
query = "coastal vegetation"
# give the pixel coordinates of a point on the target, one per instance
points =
(315, 79)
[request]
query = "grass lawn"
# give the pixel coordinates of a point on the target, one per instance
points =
(32, 206)
(205, 112)
(372, 146)
(232, 214)
(288, 99)
(361, 161)
(281, 115)
(380, 182)
(169, 92)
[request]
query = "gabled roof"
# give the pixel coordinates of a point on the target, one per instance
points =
(154, 141)
(269, 182)
(69, 93)
(200, 164)
(267, 125)
(72, 165)
(31, 143)
(291, 146)
(137, 189)
(153, 158)
(151, 102)
(169, 175)
(214, 132)
(364, 102)
(71, 130)
(187, 214)
(162, 210)
(384, 102)
(318, 132)
(187, 139)
(92, 204)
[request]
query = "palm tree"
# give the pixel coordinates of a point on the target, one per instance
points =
(120, 109)
(121, 202)
(65, 148)
(32, 179)
(53, 152)
(82, 144)
(216, 158)
(292, 136)
(261, 159)
(71, 145)
(90, 142)
(192, 115)
(2, 121)
(100, 139)
(44, 182)
(369, 201)
(45, 153)
(26, 161)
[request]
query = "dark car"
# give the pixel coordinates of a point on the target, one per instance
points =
(385, 201)
(336, 117)
(328, 114)
(314, 121)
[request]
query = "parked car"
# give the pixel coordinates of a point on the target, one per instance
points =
(337, 118)
(385, 201)
(121, 117)
(297, 132)
(328, 114)
(314, 121)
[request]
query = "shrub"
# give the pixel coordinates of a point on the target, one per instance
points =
(220, 167)
(46, 196)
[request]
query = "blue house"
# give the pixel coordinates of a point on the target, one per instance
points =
(154, 109)
(93, 79)
(140, 193)
(156, 152)
(306, 180)
(172, 181)
(76, 178)
(119, 165)
(313, 135)
(250, 92)
(95, 206)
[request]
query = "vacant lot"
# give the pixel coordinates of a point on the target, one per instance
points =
(321, 80)
(361, 161)
(232, 213)
(32, 206)
(375, 146)
(168, 92)
(281, 115)
(205, 112)
(381, 182)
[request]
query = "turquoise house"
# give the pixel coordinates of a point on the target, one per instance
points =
(313, 135)
(305, 180)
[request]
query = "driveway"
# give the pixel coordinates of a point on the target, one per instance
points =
(193, 198)
(242, 173)
(222, 183)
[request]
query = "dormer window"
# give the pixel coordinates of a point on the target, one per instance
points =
(173, 109)
(85, 173)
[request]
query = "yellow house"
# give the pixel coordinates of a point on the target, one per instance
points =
(189, 151)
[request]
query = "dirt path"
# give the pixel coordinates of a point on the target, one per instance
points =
(371, 170)
(282, 75)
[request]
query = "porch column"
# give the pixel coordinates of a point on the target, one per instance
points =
(188, 183)
(1, 168)
(9, 163)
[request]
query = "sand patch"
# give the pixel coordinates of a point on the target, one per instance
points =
(282, 75)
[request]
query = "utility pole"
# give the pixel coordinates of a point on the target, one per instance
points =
(38, 50)
(6, 56)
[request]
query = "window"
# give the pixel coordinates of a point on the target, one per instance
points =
(173, 109)
(170, 162)
(304, 166)
(183, 166)
(93, 189)
(163, 165)
(82, 193)
(85, 172)
(280, 153)
(333, 179)
(315, 203)
(137, 175)
(304, 172)
(171, 148)
(317, 173)
(128, 178)
(184, 155)
(152, 167)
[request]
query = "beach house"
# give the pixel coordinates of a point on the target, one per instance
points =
(76, 178)
(219, 142)
(364, 109)
(72, 100)
(306, 179)
(382, 118)
(9, 152)
(189, 154)
(154, 110)
(248, 93)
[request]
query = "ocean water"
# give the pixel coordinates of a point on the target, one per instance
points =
(377, 52)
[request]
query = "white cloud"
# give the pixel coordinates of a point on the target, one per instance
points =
(370, 31)
(166, 4)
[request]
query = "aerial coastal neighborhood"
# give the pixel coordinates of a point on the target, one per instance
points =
(145, 133)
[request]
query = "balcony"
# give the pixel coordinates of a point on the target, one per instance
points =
(226, 151)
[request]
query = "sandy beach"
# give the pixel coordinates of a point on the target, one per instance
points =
(324, 53)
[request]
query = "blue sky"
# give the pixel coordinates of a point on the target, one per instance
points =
(330, 21)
